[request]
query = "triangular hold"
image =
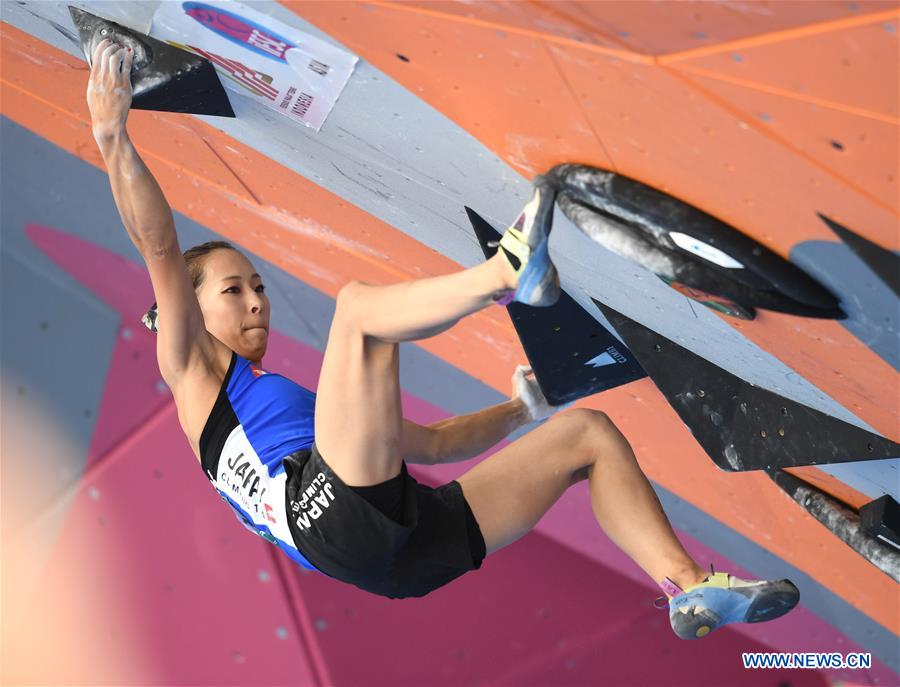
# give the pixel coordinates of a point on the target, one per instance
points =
(561, 341)
(163, 78)
(739, 425)
(883, 262)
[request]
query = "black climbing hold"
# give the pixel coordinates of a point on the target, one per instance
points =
(571, 353)
(881, 518)
(883, 262)
(741, 440)
(872, 532)
(163, 78)
(683, 244)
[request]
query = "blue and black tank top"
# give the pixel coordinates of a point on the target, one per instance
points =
(258, 419)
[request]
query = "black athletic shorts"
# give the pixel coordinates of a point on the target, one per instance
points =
(346, 537)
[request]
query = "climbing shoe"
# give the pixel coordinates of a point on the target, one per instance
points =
(722, 599)
(526, 247)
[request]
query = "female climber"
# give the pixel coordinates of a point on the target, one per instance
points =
(323, 475)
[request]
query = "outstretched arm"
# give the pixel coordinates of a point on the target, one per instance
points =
(145, 213)
(466, 436)
(183, 342)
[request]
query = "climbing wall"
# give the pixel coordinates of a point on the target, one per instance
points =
(764, 115)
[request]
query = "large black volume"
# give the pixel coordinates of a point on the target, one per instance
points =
(739, 425)
(571, 353)
(163, 78)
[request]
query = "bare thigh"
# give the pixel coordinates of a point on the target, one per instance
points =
(359, 416)
(510, 491)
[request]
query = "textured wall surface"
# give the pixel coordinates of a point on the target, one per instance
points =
(117, 549)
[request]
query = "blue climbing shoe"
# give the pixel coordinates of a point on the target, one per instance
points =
(722, 599)
(526, 247)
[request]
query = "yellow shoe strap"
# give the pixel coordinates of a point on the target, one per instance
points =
(513, 241)
(719, 579)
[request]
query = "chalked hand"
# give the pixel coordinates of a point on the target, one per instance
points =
(109, 88)
(525, 387)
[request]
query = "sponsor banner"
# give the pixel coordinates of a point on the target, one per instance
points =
(283, 68)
